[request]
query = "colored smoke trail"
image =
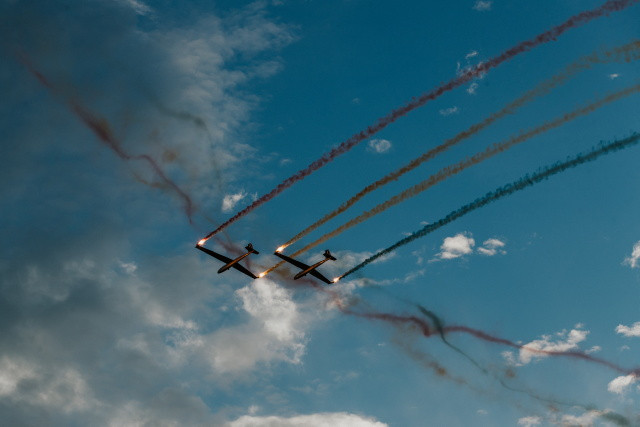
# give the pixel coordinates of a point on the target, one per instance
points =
(506, 190)
(451, 170)
(427, 331)
(100, 127)
(346, 306)
(200, 123)
(547, 36)
(438, 328)
(627, 52)
(439, 325)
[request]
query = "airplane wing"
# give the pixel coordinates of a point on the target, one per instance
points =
(300, 265)
(226, 260)
(214, 254)
(240, 268)
(317, 275)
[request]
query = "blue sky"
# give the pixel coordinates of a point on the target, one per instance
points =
(110, 317)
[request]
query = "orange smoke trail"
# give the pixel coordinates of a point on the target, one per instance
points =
(547, 36)
(627, 52)
(470, 161)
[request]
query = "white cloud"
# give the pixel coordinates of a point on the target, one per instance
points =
(413, 275)
(129, 267)
(594, 349)
(449, 111)
(564, 342)
(482, 412)
(529, 421)
(471, 54)
(473, 87)
(138, 6)
(379, 145)
(89, 339)
(335, 419)
(629, 331)
(62, 389)
(585, 420)
(481, 5)
(491, 247)
(620, 384)
(614, 76)
(276, 331)
(632, 260)
(273, 307)
(231, 200)
(456, 246)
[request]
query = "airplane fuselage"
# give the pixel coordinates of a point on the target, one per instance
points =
(232, 263)
(313, 267)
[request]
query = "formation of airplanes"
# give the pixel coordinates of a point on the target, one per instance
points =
(235, 263)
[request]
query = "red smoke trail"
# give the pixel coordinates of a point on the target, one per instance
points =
(100, 127)
(575, 354)
(549, 35)
(428, 331)
(425, 329)
(439, 330)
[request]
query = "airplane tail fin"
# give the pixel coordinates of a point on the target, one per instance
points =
(249, 247)
(327, 254)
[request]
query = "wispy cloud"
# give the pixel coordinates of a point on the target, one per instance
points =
(563, 341)
(481, 5)
(379, 145)
(621, 384)
(529, 421)
(138, 6)
(614, 76)
(632, 260)
(449, 111)
(325, 419)
(491, 247)
(471, 54)
(629, 331)
(180, 99)
(229, 201)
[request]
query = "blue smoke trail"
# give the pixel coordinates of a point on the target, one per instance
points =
(506, 190)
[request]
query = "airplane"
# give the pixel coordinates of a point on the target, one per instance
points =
(235, 263)
(306, 269)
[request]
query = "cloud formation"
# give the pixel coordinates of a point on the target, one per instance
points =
(620, 384)
(379, 145)
(529, 421)
(314, 420)
(563, 341)
(491, 247)
(229, 201)
(105, 321)
(632, 261)
(481, 5)
(456, 246)
(629, 331)
(449, 111)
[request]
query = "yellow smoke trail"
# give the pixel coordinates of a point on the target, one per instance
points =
(627, 52)
(451, 170)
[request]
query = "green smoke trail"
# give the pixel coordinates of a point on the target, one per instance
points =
(506, 190)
